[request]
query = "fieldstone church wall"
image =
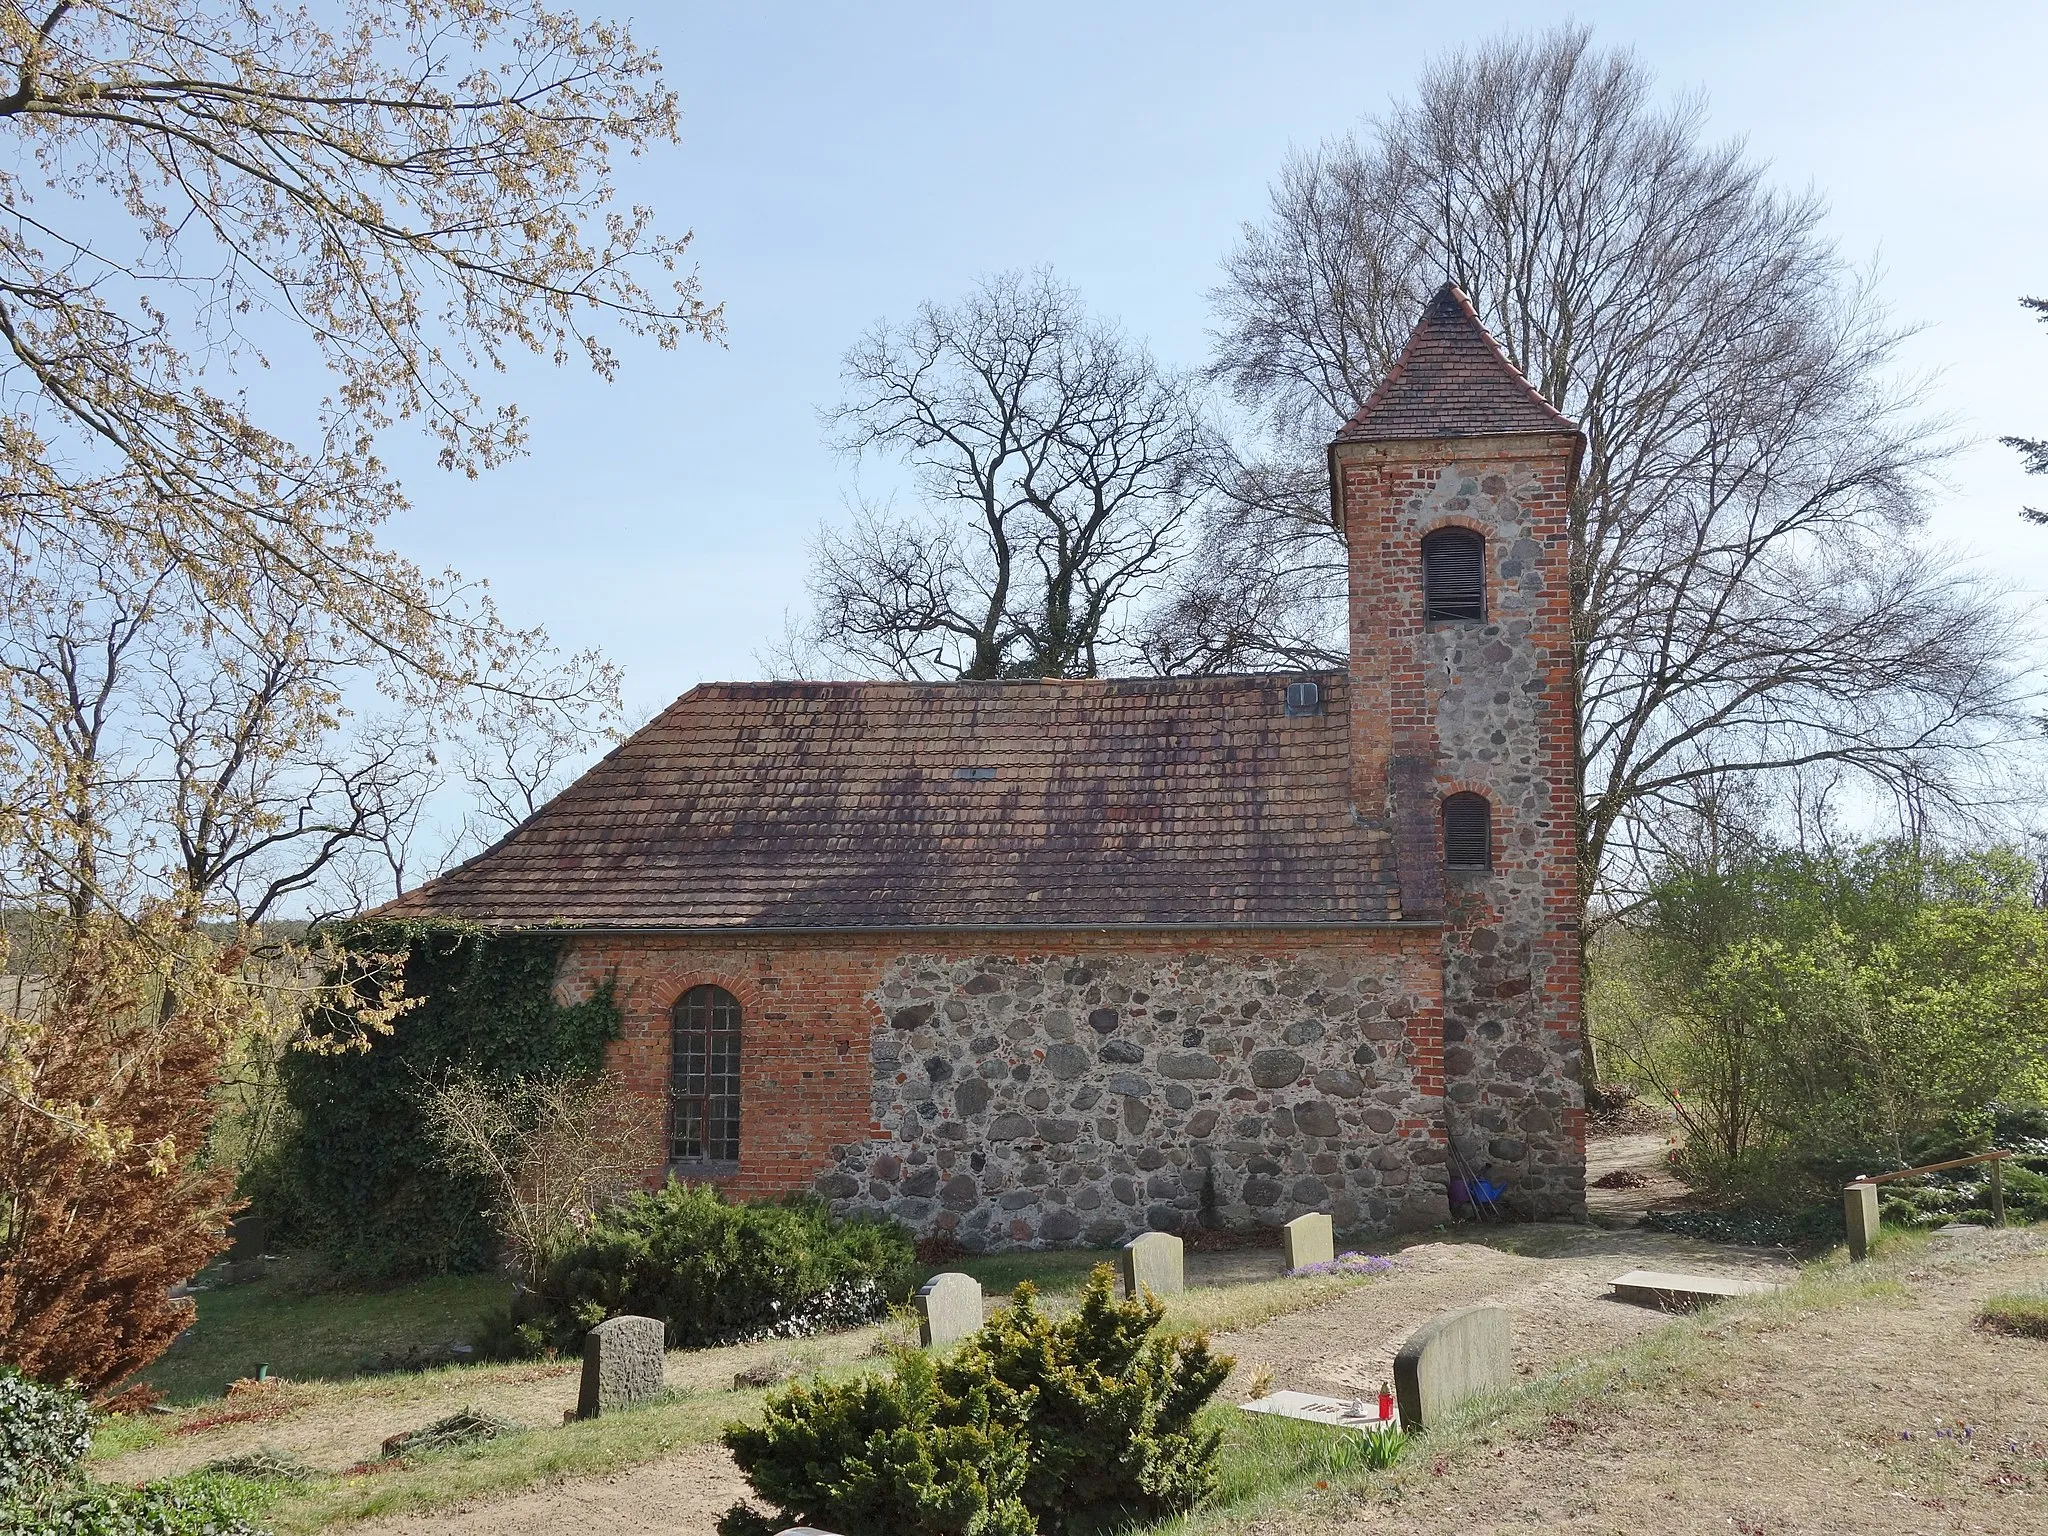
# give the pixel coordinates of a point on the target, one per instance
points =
(1026, 1100)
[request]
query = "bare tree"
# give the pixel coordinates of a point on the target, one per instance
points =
(1057, 463)
(555, 1151)
(1750, 591)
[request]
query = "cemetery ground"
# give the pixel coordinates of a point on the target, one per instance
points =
(1768, 1414)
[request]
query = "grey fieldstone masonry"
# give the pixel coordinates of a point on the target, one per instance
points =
(1507, 1078)
(1056, 1100)
(622, 1361)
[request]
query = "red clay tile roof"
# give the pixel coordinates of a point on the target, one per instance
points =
(1452, 380)
(1154, 801)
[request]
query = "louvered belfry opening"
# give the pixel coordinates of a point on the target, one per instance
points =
(1453, 575)
(704, 1077)
(1468, 832)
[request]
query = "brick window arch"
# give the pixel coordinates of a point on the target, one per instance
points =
(1468, 831)
(1453, 574)
(704, 1077)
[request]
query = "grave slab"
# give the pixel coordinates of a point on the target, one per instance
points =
(948, 1308)
(1682, 1293)
(1449, 1359)
(621, 1365)
(1153, 1262)
(1309, 1240)
(1361, 1413)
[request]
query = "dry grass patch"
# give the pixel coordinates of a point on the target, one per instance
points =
(2024, 1314)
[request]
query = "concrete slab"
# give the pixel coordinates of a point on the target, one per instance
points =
(1361, 1413)
(1683, 1293)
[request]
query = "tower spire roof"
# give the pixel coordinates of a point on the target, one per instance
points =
(1452, 380)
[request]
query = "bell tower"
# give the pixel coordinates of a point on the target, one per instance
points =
(1453, 486)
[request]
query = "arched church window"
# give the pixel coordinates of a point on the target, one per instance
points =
(1453, 574)
(704, 1077)
(1468, 832)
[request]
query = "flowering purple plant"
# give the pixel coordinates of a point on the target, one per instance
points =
(1349, 1264)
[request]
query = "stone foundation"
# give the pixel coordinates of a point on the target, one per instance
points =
(1085, 1098)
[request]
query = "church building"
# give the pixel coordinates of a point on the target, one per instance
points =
(1035, 963)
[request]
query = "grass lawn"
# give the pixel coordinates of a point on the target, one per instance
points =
(326, 1336)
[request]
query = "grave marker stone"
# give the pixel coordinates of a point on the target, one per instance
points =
(621, 1365)
(1449, 1359)
(1309, 1240)
(950, 1308)
(1152, 1263)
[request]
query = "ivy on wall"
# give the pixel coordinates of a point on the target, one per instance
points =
(359, 1177)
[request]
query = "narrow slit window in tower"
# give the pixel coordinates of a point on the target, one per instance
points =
(1468, 832)
(1453, 575)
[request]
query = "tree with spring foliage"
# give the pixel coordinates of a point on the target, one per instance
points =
(220, 690)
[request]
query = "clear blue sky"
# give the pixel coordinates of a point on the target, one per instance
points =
(842, 163)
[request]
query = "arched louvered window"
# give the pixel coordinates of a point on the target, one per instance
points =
(1453, 574)
(704, 1077)
(1468, 832)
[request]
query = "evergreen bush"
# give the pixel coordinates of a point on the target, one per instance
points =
(1102, 1405)
(1109, 1405)
(714, 1271)
(891, 1455)
(360, 1176)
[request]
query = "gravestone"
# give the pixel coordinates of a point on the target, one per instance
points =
(248, 1236)
(949, 1308)
(1309, 1240)
(1152, 1263)
(621, 1365)
(1859, 1205)
(1449, 1359)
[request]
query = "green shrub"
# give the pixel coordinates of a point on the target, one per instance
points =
(1810, 1015)
(201, 1504)
(1111, 1405)
(892, 1455)
(44, 1433)
(714, 1271)
(359, 1176)
(1099, 1405)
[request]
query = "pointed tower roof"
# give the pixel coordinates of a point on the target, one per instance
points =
(1452, 380)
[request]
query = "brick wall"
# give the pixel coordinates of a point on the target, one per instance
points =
(1487, 707)
(1037, 1090)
